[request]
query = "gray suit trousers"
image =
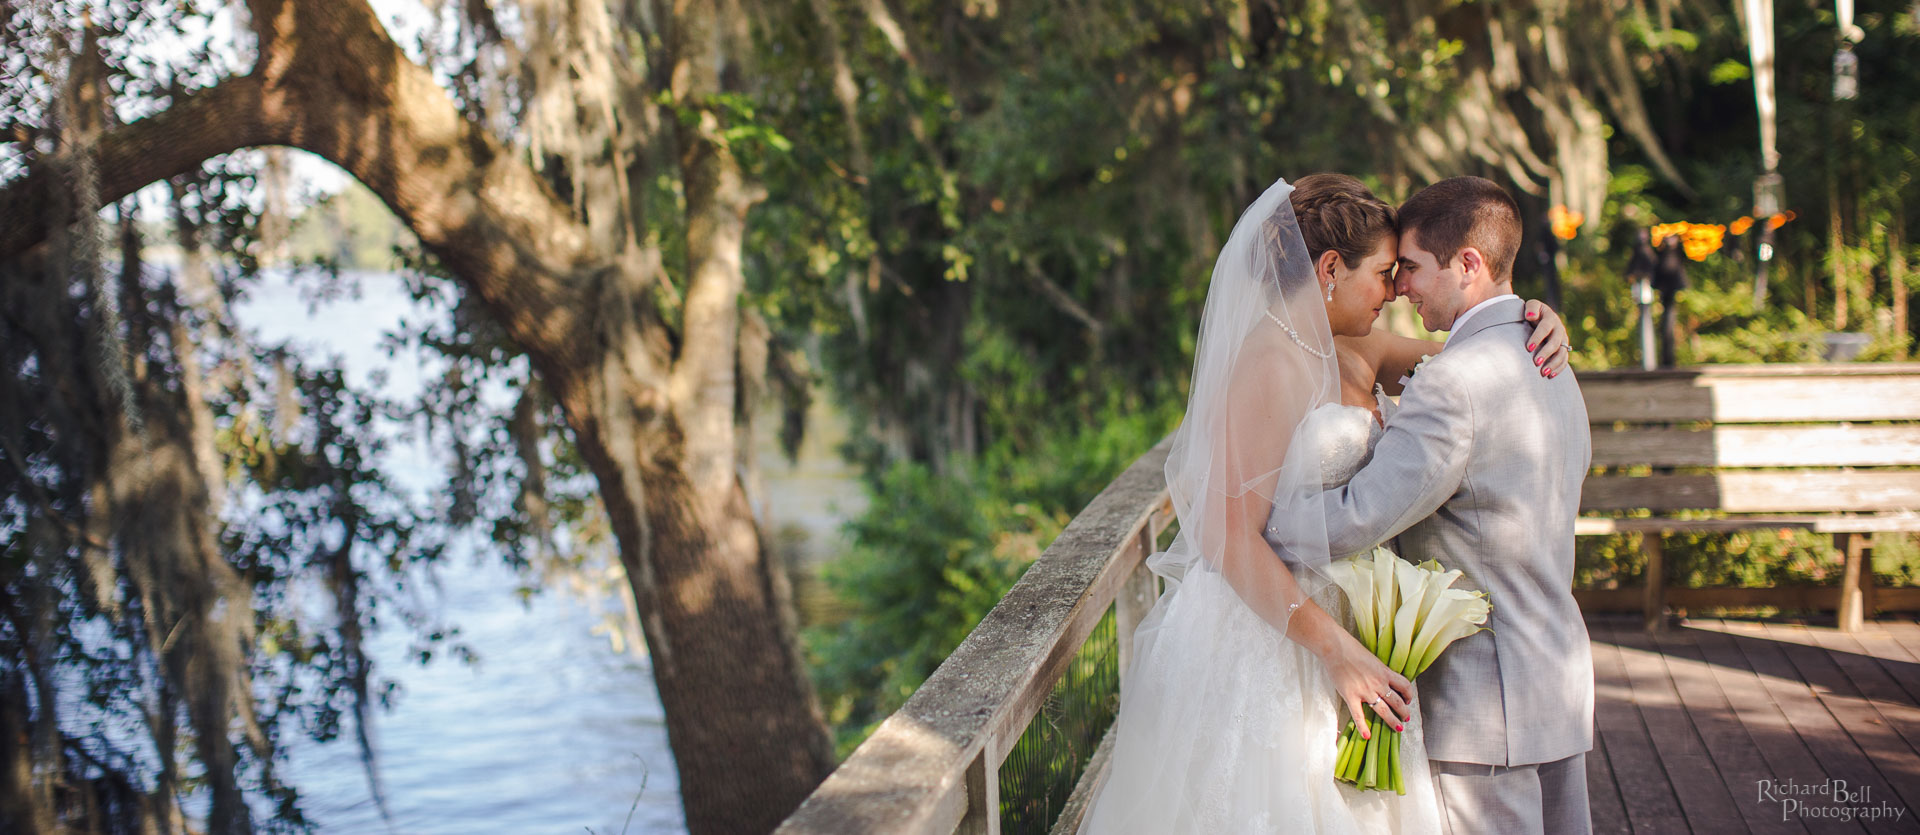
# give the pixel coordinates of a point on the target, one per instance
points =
(1533, 799)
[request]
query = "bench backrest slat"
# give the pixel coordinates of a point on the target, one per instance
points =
(1759, 446)
(1757, 491)
(1752, 398)
(1756, 439)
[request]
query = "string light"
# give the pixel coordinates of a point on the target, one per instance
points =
(1700, 240)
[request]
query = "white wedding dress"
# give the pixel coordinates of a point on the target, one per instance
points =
(1226, 726)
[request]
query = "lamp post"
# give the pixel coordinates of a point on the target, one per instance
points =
(1767, 202)
(1846, 87)
(1643, 293)
(1766, 187)
(1640, 270)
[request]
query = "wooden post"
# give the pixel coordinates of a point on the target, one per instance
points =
(1654, 600)
(983, 795)
(1856, 579)
(1135, 600)
(1081, 800)
(1137, 595)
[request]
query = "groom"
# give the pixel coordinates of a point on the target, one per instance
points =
(1481, 469)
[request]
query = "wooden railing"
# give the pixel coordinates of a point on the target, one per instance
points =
(933, 766)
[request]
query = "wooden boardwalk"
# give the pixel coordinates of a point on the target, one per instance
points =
(1733, 725)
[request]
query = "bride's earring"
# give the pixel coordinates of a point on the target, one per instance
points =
(1329, 291)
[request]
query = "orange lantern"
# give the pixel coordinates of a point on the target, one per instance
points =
(1702, 239)
(1697, 240)
(1662, 230)
(1566, 224)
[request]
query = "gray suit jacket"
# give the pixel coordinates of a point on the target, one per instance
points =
(1481, 469)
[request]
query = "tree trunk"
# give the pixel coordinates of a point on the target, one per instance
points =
(1897, 281)
(18, 812)
(1838, 257)
(651, 407)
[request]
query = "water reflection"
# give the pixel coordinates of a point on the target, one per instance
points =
(549, 731)
(553, 729)
(803, 504)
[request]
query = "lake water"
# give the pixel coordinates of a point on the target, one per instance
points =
(551, 730)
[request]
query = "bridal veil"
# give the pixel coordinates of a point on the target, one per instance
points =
(1264, 360)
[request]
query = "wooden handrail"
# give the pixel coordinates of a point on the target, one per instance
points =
(933, 765)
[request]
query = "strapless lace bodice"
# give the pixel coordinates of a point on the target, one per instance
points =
(1343, 436)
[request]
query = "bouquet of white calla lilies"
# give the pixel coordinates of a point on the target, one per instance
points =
(1406, 615)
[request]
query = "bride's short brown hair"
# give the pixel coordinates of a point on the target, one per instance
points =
(1338, 212)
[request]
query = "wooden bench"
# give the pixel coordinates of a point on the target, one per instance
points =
(1832, 449)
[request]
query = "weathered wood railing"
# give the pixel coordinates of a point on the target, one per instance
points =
(933, 766)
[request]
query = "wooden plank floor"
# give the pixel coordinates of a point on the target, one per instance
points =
(1725, 726)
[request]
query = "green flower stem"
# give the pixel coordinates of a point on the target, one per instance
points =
(1347, 749)
(1348, 758)
(1402, 647)
(1399, 778)
(1387, 764)
(1372, 764)
(1349, 769)
(1341, 753)
(1370, 773)
(1393, 780)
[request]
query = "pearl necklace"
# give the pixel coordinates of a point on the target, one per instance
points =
(1296, 338)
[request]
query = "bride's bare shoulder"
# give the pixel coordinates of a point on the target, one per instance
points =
(1359, 362)
(1370, 350)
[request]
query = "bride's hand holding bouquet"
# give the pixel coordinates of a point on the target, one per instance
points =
(1405, 615)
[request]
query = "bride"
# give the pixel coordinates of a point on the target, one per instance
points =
(1244, 673)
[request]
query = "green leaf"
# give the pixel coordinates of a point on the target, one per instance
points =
(1729, 72)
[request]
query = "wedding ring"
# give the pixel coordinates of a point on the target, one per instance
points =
(1378, 700)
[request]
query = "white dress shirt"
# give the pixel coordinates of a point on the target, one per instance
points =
(1462, 321)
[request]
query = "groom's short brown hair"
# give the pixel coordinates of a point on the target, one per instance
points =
(1462, 212)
